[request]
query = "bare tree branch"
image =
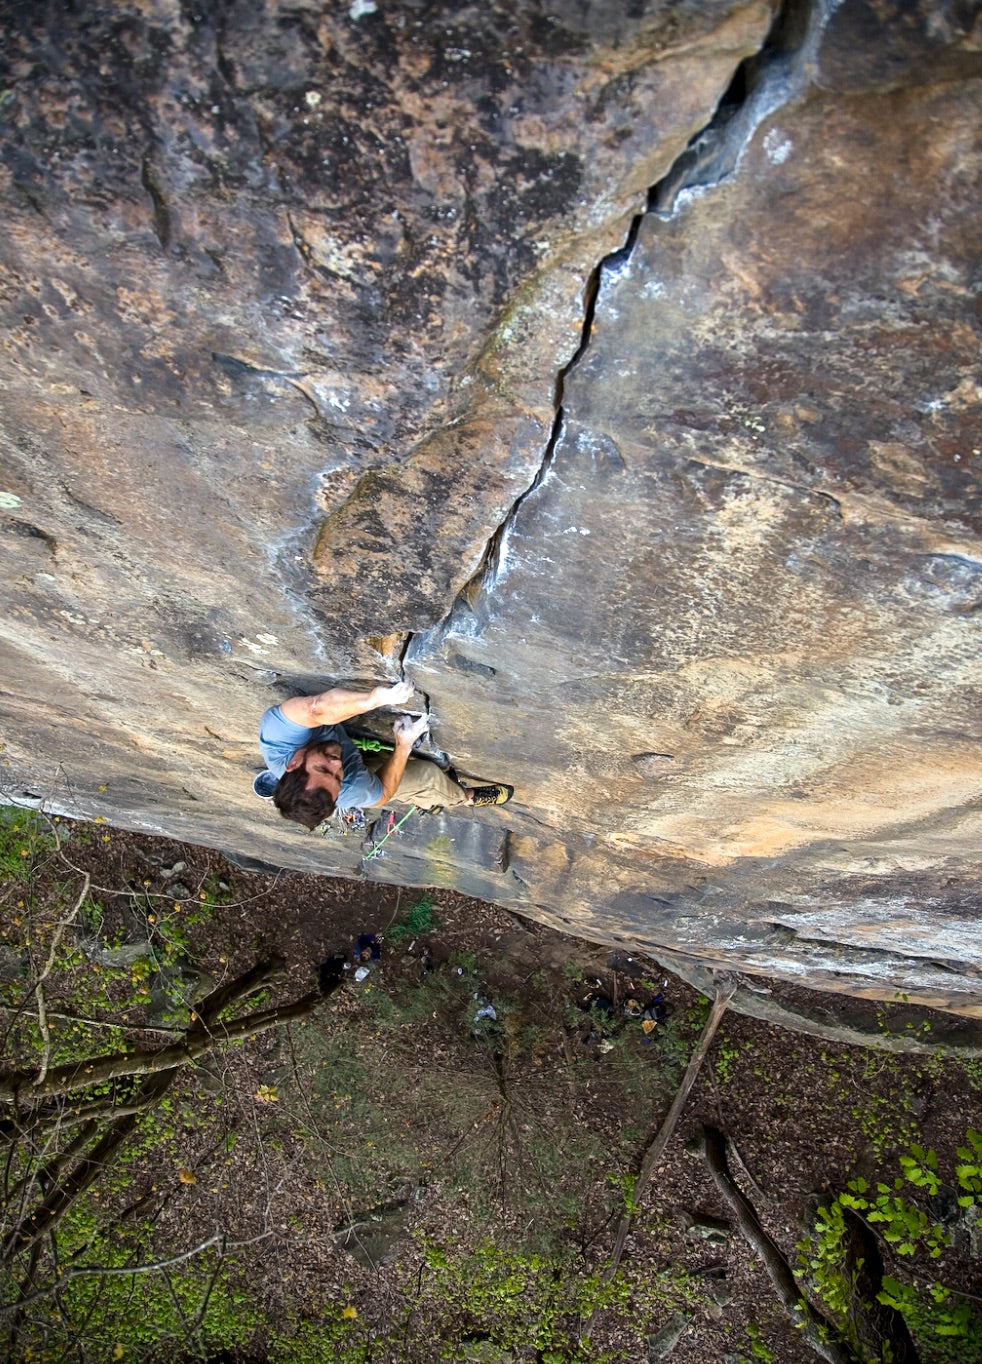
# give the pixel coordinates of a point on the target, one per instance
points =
(97, 1022)
(725, 990)
(98, 1070)
(47, 1173)
(39, 983)
(161, 1069)
(17, 1309)
(264, 971)
(57, 1202)
(219, 1238)
(199, 1038)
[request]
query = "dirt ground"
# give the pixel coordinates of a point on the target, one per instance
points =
(337, 1153)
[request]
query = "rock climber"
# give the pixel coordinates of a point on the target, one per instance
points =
(319, 768)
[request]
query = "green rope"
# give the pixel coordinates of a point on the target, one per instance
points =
(377, 847)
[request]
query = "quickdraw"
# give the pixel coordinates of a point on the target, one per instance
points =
(391, 828)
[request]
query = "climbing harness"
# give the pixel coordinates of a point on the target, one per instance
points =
(356, 821)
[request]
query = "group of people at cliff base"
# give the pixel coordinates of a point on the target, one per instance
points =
(313, 767)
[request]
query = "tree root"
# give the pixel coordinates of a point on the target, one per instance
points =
(818, 1331)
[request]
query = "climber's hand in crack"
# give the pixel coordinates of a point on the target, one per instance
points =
(396, 695)
(405, 732)
(407, 729)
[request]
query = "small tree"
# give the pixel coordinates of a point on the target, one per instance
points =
(75, 1267)
(856, 1232)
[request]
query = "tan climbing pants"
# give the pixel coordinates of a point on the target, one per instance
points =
(423, 783)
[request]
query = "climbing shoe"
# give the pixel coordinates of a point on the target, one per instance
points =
(493, 795)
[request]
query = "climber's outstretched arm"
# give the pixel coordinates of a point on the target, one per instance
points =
(337, 705)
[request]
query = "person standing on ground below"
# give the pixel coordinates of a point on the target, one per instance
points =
(320, 769)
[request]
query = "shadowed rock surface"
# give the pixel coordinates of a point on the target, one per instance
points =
(614, 369)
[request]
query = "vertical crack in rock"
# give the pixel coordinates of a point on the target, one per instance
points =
(223, 62)
(761, 84)
(161, 212)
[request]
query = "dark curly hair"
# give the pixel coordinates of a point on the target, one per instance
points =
(295, 802)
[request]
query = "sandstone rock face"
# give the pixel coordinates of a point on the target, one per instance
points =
(613, 369)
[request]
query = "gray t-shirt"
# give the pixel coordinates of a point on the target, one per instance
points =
(279, 739)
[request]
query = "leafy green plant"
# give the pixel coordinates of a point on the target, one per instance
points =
(886, 1120)
(625, 1182)
(516, 1299)
(520, 1300)
(335, 1334)
(727, 1054)
(921, 1168)
(972, 1068)
(969, 1171)
(24, 838)
(930, 1308)
(934, 1314)
(899, 1222)
(758, 1346)
(136, 1316)
(419, 918)
(677, 1036)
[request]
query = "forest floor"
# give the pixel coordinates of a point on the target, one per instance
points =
(434, 1163)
